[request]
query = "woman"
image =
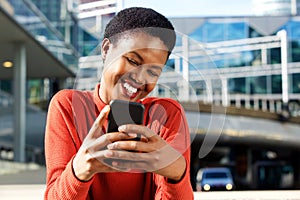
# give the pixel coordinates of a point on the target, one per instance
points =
(83, 160)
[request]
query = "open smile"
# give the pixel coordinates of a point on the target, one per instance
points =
(129, 90)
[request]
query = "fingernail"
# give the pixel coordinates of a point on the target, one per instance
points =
(108, 154)
(106, 108)
(114, 163)
(132, 135)
(110, 146)
(122, 128)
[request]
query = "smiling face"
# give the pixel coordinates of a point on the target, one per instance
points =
(132, 66)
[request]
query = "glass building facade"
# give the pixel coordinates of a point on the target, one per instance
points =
(63, 16)
(231, 30)
(276, 7)
(56, 26)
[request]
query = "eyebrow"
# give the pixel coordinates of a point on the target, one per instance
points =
(137, 54)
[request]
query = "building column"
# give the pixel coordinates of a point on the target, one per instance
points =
(19, 102)
(285, 114)
(249, 175)
(209, 91)
(284, 66)
(184, 92)
(225, 100)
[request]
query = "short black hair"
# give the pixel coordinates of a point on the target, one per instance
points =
(143, 19)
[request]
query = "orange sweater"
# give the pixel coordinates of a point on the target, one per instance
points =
(70, 116)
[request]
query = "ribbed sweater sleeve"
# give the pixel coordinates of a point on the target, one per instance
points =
(168, 119)
(61, 144)
(174, 191)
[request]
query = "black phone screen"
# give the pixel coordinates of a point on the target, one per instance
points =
(124, 112)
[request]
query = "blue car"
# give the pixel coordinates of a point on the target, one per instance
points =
(214, 179)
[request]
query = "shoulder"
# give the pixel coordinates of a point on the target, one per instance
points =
(62, 94)
(69, 96)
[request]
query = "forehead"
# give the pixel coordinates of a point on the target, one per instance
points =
(137, 40)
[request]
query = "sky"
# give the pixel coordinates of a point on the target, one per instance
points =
(195, 8)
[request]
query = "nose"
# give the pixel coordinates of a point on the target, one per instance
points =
(139, 76)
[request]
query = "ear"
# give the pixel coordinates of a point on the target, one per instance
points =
(105, 47)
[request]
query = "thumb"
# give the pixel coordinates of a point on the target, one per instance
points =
(96, 129)
(103, 115)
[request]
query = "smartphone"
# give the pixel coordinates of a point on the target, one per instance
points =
(124, 112)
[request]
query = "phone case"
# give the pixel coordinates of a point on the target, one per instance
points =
(124, 112)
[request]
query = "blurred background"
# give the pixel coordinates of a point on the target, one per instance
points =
(235, 69)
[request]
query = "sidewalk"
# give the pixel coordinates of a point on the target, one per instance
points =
(22, 181)
(23, 192)
(21, 173)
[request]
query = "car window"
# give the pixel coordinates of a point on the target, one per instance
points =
(216, 175)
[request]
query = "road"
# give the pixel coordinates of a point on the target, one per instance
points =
(249, 195)
(32, 192)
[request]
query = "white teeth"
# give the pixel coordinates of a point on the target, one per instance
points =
(129, 88)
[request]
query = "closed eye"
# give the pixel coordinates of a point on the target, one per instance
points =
(132, 61)
(153, 73)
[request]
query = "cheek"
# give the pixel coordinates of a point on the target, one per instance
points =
(150, 87)
(113, 71)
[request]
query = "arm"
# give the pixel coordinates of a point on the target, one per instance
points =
(168, 189)
(175, 132)
(165, 150)
(61, 145)
(71, 162)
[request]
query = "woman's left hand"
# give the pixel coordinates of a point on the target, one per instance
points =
(151, 154)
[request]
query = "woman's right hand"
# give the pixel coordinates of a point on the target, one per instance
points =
(89, 159)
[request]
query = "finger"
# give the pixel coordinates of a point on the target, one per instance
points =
(103, 115)
(131, 145)
(96, 129)
(111, 164)
(125, 155)
(138, 129)
(116, 136)
(105, 162)
(102, 141)
(131, 166)
(153, 161)
(107, 159)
